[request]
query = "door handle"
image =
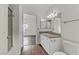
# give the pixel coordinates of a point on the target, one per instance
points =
(7, 37)
(54, 40)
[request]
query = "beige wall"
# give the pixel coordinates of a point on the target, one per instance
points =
(3, 28)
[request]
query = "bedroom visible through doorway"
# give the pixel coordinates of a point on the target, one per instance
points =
(29, 29)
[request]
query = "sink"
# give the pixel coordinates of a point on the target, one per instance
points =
(51, 35)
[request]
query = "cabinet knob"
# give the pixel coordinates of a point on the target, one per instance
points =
(54, 40)
(7, 37)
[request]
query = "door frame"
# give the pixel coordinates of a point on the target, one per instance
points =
(22, 29)
(10, 7)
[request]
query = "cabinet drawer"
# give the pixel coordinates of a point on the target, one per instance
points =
(45, 43)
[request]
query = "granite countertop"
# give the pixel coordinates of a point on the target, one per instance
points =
(51, 35)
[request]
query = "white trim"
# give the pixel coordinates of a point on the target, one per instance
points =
(12, 27)
(10, 6)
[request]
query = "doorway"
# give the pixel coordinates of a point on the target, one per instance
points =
(29, 29)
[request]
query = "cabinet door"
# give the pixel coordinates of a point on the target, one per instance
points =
(41, 39)
(46, 42)
(55, 45)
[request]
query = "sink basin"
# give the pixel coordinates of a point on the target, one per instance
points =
(51, 35)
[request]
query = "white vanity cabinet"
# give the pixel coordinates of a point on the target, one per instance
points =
(50, 44)
(44, 42)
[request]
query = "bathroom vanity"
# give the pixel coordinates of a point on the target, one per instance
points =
(50, 32)
(50, 42)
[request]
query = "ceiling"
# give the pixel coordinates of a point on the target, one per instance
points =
(43, 10)
(36, 9)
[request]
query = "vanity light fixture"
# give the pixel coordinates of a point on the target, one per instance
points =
(43, 20)
(54, 14)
